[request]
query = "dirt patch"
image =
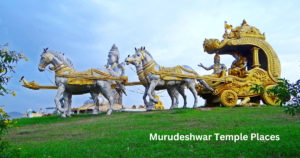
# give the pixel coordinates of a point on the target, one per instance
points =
(87, 120)
(147, 112)
(205, 109)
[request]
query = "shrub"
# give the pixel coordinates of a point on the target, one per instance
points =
(7, 58)
(287, 94)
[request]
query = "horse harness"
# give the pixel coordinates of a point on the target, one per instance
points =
(55, 67)
(47, 58)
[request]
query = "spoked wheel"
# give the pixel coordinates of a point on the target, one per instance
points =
(229, 98)
(270, 98)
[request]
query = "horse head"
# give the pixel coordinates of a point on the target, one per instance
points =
(45, 60)
(137, 58)
(131, 60)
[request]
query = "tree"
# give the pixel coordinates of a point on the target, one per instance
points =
(7, 59)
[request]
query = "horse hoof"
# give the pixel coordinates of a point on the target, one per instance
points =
(69, 116)
(150, 109)
(61, 110)
(95, 113)
(109, 112)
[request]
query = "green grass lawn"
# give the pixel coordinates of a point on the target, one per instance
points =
(127, 134)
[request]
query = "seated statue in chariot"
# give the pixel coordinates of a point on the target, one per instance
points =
(238, 66)
(219, 69)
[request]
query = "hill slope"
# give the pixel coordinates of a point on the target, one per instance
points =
(128, 134)
(14, 115)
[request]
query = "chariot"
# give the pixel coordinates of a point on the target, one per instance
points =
(245, 42)
(263, 68)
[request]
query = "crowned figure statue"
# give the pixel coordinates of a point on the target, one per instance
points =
(219, 69)
(238, 66)
(116, 68)
(113, 61)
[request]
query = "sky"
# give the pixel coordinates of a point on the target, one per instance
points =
(173, 31)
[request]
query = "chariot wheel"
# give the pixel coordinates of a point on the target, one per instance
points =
(270, 98)
(229, 98)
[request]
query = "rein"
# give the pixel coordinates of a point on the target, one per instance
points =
(135, 59)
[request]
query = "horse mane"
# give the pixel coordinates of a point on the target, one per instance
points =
(63, 59)
(146, 52)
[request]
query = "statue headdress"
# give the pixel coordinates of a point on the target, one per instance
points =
(115, 51)
(216, 56)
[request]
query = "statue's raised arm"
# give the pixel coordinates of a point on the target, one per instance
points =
(121, 66)
(206, 68)
(217, 67)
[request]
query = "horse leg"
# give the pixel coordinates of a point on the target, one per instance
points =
(151, 93)
(145, 95)
(61, 89)
(171, 94)
(106, 91)
(67, 102)
(70, 105)
(61, 100)
(96, 102)
(176, 95)
(151, 88)
(182, 93)
(151, 103)
(192, 88)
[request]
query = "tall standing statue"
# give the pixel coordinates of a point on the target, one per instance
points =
(116, 68)
(219, 69)
(238, 66)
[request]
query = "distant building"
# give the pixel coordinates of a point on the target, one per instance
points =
(89, 105)
(30, 114)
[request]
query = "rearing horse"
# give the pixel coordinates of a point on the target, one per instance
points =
(63, 66)
(157, 75)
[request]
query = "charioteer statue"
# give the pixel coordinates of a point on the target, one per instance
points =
(219, 69)
(115, 68)
(113, 61)
(238, 66)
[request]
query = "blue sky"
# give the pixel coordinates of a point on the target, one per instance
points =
(172, 31)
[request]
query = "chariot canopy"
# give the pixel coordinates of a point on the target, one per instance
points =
(250, 43)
